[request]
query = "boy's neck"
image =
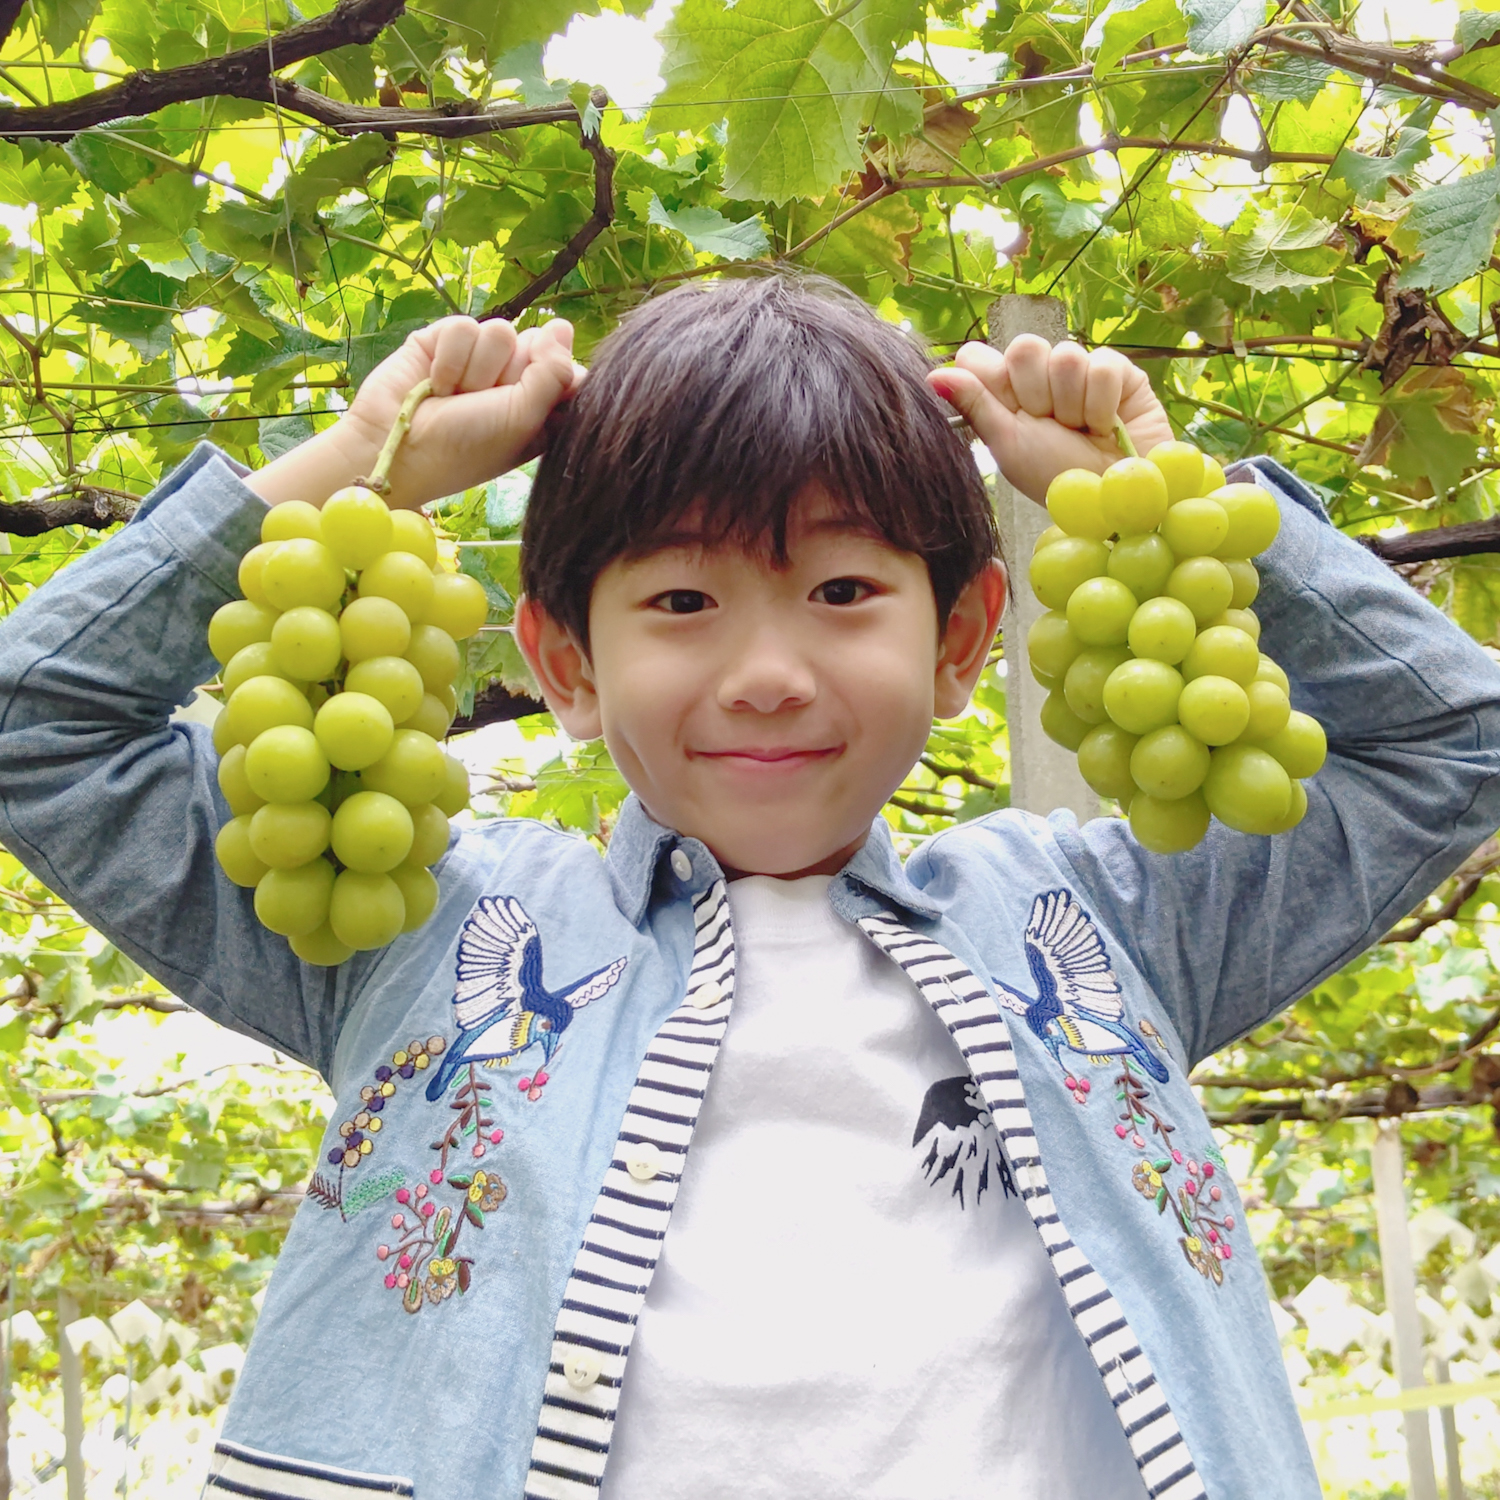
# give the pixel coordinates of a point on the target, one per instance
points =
(831, 865)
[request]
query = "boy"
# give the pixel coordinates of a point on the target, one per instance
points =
(918, 1252)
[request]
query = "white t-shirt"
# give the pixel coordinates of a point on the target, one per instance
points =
(851, 1302)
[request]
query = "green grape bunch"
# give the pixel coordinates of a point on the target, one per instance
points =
(1150, 652)
(338, 677)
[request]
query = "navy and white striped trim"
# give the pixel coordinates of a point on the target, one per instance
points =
(975, 1022)
(624, 1236)
(237, 1470)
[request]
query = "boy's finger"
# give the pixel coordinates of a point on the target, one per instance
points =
(963, 390)
(990, 367)
(1106, 384)
(1068, 374)
(490, 355)
(1028, 359)
(456, 338)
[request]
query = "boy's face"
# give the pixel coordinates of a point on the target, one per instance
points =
(768, 711)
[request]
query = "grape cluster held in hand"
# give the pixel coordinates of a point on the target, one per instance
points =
(339, 667)
(1151, 654)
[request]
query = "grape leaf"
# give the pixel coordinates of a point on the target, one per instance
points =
(163, 209)
(1286, 248)
(1290, 78)
(280, 435)
(141, 315)
(1222, 25)
(1475, 26)
(62, 21)
(1368, 175)
(1452, 227)
(488, 28)
(799, 81)
(330, 173)
(105, 158)
(1122, 23)
(524, 64)
(710, 233)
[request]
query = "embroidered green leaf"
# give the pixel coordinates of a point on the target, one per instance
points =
(371, 1190)
(411, 1299)
(1161, 1201)
(443, 1235)
(472, 1214)
(460, 1182)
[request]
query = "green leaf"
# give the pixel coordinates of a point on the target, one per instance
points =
(1368, 175)
(524, 64)
(332, 172)
(46, 178)
(146, 322)
(1452, 227)
(489, 28)
(1475, 26)
(479, 213)
(63, 21)
(1290, 79)
(354, 68)
(1286, 249)
(801, 79)
(1216, 26)
(249, 355)
(710, 233)
(280, 435)
(105, 159)
(165, 208)
(1062, 217)
(1123, 23)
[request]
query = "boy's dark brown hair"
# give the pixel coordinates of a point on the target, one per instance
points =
(726, 401)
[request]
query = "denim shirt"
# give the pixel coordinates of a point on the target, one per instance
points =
(518, 1081)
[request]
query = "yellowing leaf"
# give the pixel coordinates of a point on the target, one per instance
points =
(1287, 248)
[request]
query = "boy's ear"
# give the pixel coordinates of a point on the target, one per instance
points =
(562, 669)
(967, 638)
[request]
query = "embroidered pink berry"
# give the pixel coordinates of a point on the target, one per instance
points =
(1229, 1221)
(1192, 1166)
(390, 1280)
(523, 1085)
(1216, 1192)
(1208, 1169)
(496, 1136)
(398, 1221)
(1213, 1236)
(541, 1078)
(1137, 1140)
(1225, 1251)
(421, 1190)
(403, 1280)
(1070, 1082)
(1177, 1157)
(435, 1175)
(428, 1209)
(479, 1150)
(404, 1262)
(382, 1252)
(1080, 1096)
(1084, 1084)
(402, 1196)
(1190, 1186)
(533, 1093)
(1122, 1131)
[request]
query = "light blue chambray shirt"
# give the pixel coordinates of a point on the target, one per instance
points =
(482, 1365)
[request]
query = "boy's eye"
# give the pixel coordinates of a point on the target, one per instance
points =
(841, 591)
(682, 601)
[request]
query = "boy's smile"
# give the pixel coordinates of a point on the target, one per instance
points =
(767, 709)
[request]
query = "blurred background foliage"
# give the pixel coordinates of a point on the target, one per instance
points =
(217, 215)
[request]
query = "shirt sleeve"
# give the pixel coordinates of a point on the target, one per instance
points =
(1240, 927)
(114, 805)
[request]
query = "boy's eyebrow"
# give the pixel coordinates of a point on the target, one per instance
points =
(849, 523)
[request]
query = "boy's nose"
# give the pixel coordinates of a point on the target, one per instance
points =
(766, 674)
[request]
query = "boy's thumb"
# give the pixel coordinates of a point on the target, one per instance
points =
(993, 423)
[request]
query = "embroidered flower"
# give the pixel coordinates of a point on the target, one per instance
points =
(442, 1277)
(486, 1190)
(1147, 1180)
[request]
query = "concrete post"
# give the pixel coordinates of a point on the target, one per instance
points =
(70, 1368)
(1043, 775)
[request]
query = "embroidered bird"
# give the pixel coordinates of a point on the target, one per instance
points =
(1078, 1005)
(499, 1001)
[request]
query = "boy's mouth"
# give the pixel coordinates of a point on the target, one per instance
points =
(775, 756)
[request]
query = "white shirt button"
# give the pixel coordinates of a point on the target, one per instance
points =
(706, 994)
(642, 1161)
(682, 865)
(582, 1368)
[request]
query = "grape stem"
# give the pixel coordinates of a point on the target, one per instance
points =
(1126, 442)
(379, 479)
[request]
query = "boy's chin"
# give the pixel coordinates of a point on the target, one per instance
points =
(760, 852)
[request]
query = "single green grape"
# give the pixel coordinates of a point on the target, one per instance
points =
(263, 703)
(459, 604)
(413, 770)
(1299, 745)
(255, 660)
(302, 572)
(1247, 789)
(1141, 695)
(306, 644)
(1133, 495)
(286, 764)
(1214, 709)
(433, 717)
(1060, 723)
(1100, 610)
(1222, 651)
(235, 785)
(430, 835)
(1046, 539)
(1270, 708)
(1057, 570)
(1163, 630)
(1246, 582)
(412, 532)
(1213, 475)
(1254, 520)
(367, 910)
(252, 573)
(354, 729)
(1181, 465)
(1040, 678)
(1196, 527)
(287, 834)
(448, 697)
(1104, 760)
(1142, 563)
(357, 526)
(236, 858)
(1169, 827)
(1051, 644)
(1239, 619)
(403, 579)
(454, 796)
(373, 627)
(372, 832)
(238, 624)
(290, 520)
(1204, 585)
(1083, 686)
(1296, 809)
(320, 948)
(1267, 671)
(1169, 763)
(294, 903)
(391, 679)
(434, 653)
(1074, 503)
(419, 893)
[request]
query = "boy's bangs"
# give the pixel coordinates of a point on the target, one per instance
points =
(713, 409)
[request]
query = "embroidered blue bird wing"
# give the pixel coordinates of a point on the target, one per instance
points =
(499, 962)
(1011, 1000)
(1064, 947)
(600, 982)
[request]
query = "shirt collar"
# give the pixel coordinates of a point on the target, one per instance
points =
(639, 847)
